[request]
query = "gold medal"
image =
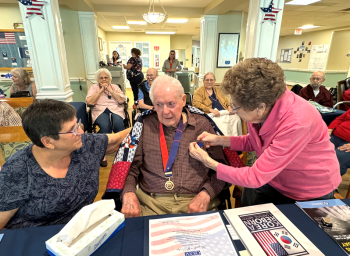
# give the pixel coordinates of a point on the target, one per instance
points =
(169, 185)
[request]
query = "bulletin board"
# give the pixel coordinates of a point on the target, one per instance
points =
(13, 49)
(286, 55)
(318, 57)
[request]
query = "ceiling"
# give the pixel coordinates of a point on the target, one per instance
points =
(327, 14)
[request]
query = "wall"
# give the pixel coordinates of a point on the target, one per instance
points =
(337, 59)
(163, 41)
(9, 14)
(182, 42)
(196, 43)
(231, 22)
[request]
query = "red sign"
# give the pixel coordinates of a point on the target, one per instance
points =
(298, 32)
(156, 48)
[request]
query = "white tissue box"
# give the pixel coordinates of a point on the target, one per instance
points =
(94, 237)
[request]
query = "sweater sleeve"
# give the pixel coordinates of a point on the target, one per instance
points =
(284, 148)
(336, 122)
(198, 99)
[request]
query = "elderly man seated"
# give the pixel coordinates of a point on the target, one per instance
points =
(144, 99)
(170, 182)
(315, 91)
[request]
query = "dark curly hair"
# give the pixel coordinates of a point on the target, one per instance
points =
(117, 57)
(136, 51)
(254, 81)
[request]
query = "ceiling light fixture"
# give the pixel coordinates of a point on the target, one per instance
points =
(137, 22)
(160, 32)
(308, 27)
(121, 27)
(154, 17)
(303, 2)
(179, 21)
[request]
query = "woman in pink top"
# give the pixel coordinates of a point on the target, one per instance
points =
(108, 102)
(296, 160)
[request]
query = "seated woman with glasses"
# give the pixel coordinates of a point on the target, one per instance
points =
(48, 182)
(108, 101)
(210, 99)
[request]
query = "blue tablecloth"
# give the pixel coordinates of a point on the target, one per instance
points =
(133, 239)
(80, 107)
(329, 117)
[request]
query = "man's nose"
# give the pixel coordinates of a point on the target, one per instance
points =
(166, 110)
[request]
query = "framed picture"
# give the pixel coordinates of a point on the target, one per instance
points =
(100, 44)
(228, 45)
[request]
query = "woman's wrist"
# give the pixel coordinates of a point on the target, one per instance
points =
(224, 141)
(211, 163)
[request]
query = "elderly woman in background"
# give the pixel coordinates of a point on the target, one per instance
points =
(21, 82)
(48, 182)
(171, 65)
(115, 60)
(339, 130)
(107, 100)
(134, 72)
(210, 99)
(296, 159)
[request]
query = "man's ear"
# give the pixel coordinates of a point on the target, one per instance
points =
(48, 142)
(184, 100)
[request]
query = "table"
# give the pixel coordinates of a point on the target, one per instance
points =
(329, 117)
(80, 107)
(133, 239)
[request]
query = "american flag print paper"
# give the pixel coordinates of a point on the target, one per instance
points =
(270, 12)
(7, 38)
(271, 235)
(203, 235)
(34, 7)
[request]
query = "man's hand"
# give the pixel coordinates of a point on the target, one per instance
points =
(345, 147)
(131, 205)
(330, 131)
(199, 203)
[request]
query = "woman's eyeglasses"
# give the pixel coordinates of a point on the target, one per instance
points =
(234, 107)
(209, 80)
(75, 129)
(106, 77)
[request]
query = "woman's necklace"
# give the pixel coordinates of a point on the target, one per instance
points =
(214, 99)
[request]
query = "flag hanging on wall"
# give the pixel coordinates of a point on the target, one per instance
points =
(34, 7)
(7, 38)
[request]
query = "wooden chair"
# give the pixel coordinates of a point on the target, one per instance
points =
(18, 102)
(341, 87)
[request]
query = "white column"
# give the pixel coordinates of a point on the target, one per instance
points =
(349, 72)
(47, 52)
(89, 39)
(208, 40)
(262, 38)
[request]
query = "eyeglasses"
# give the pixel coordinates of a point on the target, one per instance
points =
(234, 107)
(209, 80)
(75, 129)
(106, 77)
(316, 78)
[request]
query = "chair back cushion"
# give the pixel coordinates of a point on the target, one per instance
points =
(9, 148)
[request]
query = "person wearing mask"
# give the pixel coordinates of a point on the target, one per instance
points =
(296, 161)
(21, 82)
(134, 72)
(171, 65)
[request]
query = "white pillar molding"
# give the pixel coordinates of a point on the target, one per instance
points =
(89, 39)
(47, 52)
(262, 38)
(208, 42)
(349, 72)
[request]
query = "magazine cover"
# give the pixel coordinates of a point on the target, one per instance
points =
(264, 230)
(333, 216)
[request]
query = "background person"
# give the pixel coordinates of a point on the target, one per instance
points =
(108, 101)
(296, 160)
(134, 72)
(339, 130)
(21, 82)
(144, 101)
(115, 60)
(48, 182)
(171, 65)
(315, 91)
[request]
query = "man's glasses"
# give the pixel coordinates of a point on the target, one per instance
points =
(316, 78)
(75, 129)
(106, 77)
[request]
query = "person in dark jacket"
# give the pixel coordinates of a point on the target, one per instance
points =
(315, 91)
(144, 100)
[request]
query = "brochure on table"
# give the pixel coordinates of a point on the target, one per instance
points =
(190, 235)
(264, 230)
(339, 215)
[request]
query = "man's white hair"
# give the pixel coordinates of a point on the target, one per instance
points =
(319, 71)
(98, 72)
(165, 81)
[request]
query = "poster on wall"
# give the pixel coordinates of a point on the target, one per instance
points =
(157, 60)
(227, 49)
(286, 55)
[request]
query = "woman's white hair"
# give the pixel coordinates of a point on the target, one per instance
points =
(209, 73)
(98, 72)
(23, 74)
(166, 81)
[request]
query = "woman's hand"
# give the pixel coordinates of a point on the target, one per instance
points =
(230, 110)
(215, 112)
(345, 147)
(214, 140)
(330, 131)
(199, 154)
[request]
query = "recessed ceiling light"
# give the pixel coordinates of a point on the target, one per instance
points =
(303, 2)
(121, 27)
(160, 32)
(137, 22)
(308, 26)
(181, 21)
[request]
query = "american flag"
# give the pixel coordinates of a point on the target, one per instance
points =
(34, 7)
(270, 12)
(7, 38)
(199, 235)
(270, 245)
